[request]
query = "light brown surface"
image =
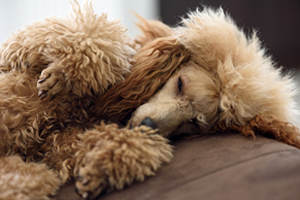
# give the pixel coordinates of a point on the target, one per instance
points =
(219, 166)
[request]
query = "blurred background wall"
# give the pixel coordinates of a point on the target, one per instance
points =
(278, 22)
(15, 14)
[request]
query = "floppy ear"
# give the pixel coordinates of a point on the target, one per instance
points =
(154, 65)
(270, 127)
(150, 29)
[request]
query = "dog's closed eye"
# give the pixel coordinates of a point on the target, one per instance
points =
(180, 85)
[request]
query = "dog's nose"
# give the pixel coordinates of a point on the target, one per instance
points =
(148, 122)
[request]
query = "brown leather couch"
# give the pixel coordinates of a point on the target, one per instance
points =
(218, 166)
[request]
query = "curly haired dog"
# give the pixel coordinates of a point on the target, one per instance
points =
(204, 75)
(228, 82)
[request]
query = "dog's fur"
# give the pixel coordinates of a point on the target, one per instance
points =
(228, 83)
(83, 68)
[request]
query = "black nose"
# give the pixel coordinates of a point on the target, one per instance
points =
(148, 122)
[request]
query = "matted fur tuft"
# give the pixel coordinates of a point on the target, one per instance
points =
(120, 157)
(250, 85)
(16, 174)
(92, 51)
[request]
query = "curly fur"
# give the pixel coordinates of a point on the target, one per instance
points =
(60, 78)
(154, 64)
(268, 126)
(16, 174)
(150, 29)
(228, 82)
(82, 39)
(118, 154)
(242, 66)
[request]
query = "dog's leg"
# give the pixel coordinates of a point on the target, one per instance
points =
(20, 111)
(114, 158)
(59, 150)
(20, 180)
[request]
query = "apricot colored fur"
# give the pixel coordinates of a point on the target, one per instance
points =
(205, 74)
(227, 83)
(85, 70)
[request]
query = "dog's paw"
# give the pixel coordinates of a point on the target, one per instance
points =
(51, 82)
(113, 158)
(91, 182)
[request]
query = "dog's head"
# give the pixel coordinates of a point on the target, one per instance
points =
(228, 79)
(191, 96)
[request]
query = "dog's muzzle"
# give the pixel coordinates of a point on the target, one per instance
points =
(148, 122)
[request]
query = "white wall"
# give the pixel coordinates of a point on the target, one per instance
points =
(14, 14)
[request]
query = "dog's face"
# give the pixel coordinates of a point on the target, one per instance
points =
(187, 103)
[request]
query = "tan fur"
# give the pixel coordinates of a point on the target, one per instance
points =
(154, 64)
(228, 80)
(16, 174)
(268, 126)
(72, 43)
(82, 68)
(85, 71)
(120, 157)
(150, 30)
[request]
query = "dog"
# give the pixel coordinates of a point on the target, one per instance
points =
(225, 81)
(65, 81)
(228, 83)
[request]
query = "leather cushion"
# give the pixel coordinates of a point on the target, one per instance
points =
(218, 166)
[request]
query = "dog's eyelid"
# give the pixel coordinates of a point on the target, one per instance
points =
(180, 85)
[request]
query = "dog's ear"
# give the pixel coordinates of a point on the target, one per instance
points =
(267, 126)
(154, 64)
(150, 30)
(277, 129)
